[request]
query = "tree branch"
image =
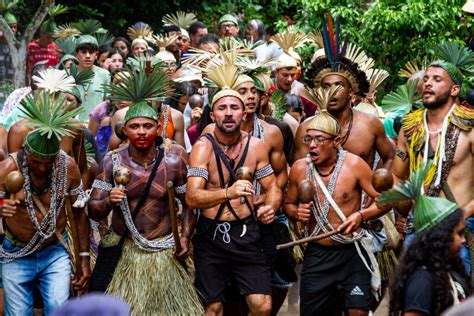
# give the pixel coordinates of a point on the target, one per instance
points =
(37, 19)
(13, 42)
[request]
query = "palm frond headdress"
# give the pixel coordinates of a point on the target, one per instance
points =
(323, 121)
(52, 117)
(429, 211)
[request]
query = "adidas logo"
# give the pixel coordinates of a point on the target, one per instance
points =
(357, 291)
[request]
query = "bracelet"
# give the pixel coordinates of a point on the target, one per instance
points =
(226, 194)
(84, 254)
(361, 215)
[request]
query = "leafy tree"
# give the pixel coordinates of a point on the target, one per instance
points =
(18, 47)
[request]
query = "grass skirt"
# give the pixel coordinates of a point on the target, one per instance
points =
(154, 283)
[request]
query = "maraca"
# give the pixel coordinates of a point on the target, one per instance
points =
(14, 183)
(244, 173)
(122, 177)
(382, 180)
(306, 191)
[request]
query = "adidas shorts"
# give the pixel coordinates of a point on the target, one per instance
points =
(333, 279)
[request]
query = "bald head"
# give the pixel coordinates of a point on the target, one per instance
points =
(196, 100)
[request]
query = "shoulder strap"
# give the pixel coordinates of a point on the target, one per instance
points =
(144, 195)
(15, 159)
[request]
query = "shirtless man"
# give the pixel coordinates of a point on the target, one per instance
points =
(362, 134)
(227, 240)
(141, 213)
(35, 253)
(441, 86)
(257, 127)
(332, 263)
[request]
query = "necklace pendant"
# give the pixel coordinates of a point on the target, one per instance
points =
(145, 166)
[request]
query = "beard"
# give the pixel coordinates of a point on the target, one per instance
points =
(441, 100)
(225, 130)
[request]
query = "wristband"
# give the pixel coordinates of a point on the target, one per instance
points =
(84, 254)
(361, 215)
(226, 194)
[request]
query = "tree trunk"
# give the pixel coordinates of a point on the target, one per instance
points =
(19, 48)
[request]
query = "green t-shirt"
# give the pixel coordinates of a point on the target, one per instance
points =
(93, 93)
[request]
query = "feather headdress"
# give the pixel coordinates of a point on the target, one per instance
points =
(323, 121)
(376, 77)
(345, 60)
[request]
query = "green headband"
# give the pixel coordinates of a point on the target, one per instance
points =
(451, 69)
(228, 18)
(10, 18)
(141, 109)
(40, 145)
(86, 39)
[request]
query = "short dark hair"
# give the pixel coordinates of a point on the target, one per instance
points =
(104, 49)
(193, 28)
(171, 28)
(121, 39)
(88, 47)
(35, 72)
(209, 38)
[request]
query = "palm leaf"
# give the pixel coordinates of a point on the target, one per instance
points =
(57, 10)
(51, 115)
(67, 46)
(7, 5)
(142, 31)
(408, 190)
(457, 54)
(89, 26)
(402, 99)
(320, 96)
(81, 78)
(66, 31)
(140, 87)
(279, 103)
(180, 19)
(104, 38)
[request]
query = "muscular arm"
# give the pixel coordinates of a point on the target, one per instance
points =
(382, 144)
(273, 192)
(93, 126)
(277, 157)
(188, 215)
(400, 167)
(364, 178)
(17, 135)
(99, 205)
(178, 122)
(297, 173)
(3, 141)
(196, 194)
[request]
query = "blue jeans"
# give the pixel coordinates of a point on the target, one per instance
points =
(47, 269)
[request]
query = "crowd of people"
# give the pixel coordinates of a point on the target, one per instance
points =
(190, 173)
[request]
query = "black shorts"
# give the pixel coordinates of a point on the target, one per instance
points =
(242, 260)
(328, 273)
